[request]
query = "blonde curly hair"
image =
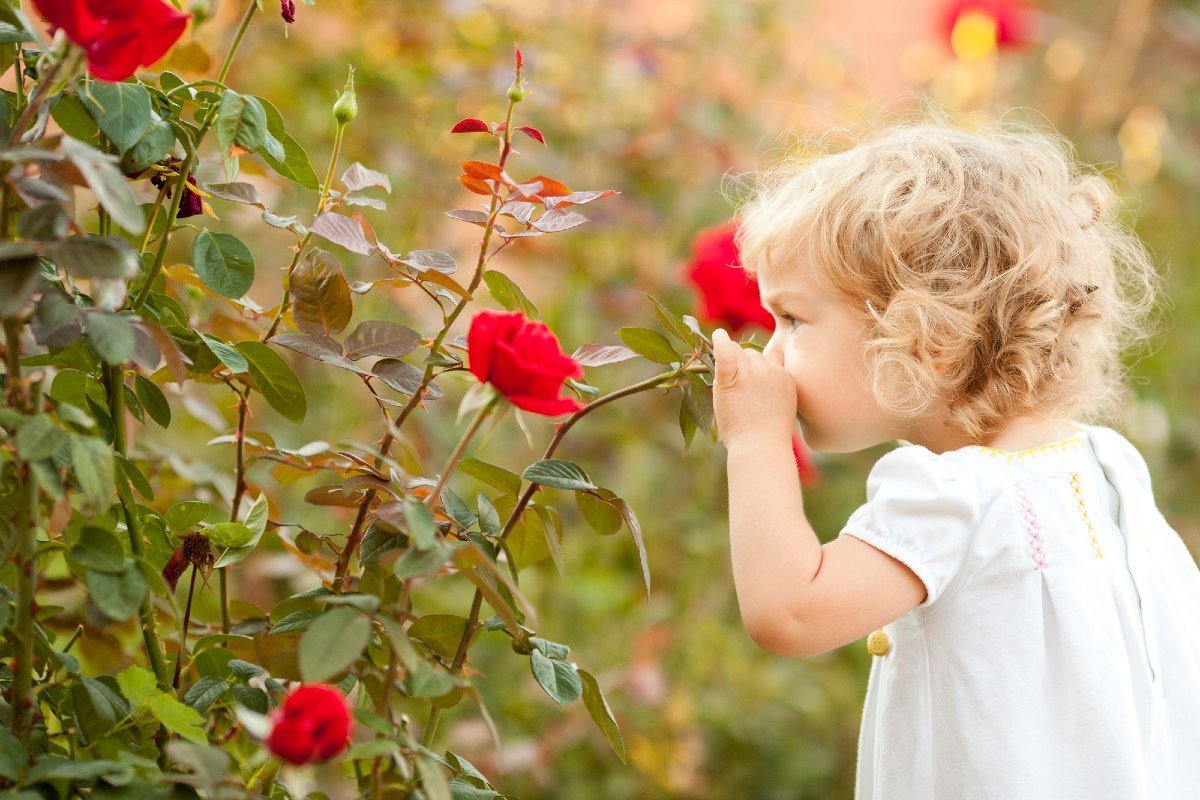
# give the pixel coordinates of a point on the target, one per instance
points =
(992, 267)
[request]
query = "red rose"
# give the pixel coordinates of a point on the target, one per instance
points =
(1011, 18)
(312, 724)
(728, 294)
(118, 35)
(522, 359)
(191, 204)
(808, 471)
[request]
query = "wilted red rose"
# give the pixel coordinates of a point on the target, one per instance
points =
(1011, 18)
(728, 294)
(118, 35)
(287, 10)
(191, 204)
(523, 360)
(312, 724)
(809, 474)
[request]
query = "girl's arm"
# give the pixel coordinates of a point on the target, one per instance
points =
(798, 597)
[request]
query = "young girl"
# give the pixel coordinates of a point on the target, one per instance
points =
(1036, 621)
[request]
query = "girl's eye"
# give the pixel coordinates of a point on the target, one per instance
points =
(792, 321)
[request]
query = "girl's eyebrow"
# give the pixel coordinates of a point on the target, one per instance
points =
(773, 300)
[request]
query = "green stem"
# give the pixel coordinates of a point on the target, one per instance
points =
(238, 492)
(187, 617)
(321, 203)
(114, 381)
(460, 656)
(25, 525)
(452, 461)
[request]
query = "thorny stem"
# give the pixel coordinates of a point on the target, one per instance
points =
(460, 656)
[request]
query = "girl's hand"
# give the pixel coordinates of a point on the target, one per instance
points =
(753, 396)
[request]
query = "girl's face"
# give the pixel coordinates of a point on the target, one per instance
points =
(819, 340)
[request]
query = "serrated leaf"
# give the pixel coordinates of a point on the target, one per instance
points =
(559, 679)
(187, 514)
(97, 549)
(276, 380)
(508, 294)
(228, 534)
(558, 474)
(117, 595)
(650, 344)
(223, 263)
(177, 718)
(332, 643)
(442, 632)
(321, 297)
(206, 691)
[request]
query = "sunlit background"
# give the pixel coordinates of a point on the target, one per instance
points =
(668, 102)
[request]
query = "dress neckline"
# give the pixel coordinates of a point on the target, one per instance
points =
(1068, 444)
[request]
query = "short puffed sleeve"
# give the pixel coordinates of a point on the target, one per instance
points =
(921, 512)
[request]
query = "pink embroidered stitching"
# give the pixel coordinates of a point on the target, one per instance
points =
(1033, 528)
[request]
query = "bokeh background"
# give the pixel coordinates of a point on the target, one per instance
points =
(668, 102)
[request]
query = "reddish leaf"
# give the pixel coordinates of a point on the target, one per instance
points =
(357, 177)
(532, 133)
(597, 355)
(578, 198)
(482, 170)
(475, 185)
(470, 125)
(343, 231)
(466, 215)
(551, 187)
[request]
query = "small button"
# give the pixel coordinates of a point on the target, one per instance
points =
(877, 643)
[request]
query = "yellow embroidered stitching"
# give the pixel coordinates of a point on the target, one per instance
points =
(1083, 510)
(1074, 443)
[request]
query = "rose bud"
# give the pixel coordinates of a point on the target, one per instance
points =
(311, 725)
(287, 9)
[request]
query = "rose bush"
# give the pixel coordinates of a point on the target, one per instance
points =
(110, 326)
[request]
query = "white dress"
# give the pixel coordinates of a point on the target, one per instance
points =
(1057, 655)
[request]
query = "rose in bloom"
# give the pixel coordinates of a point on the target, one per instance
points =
(118, 35)
(976, 27)
(727, 293)
(312, 724)
(522, 359)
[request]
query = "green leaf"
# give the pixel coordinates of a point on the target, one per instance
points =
(427, 680)
(508, 294)
(604, 517)
(72, 116)
(559, 679)
(256, 523)
(332, 643)
(295, 622)
(153, 146)
(38, 437)
(228, 534)
(276, 380)
(135, 476)
(245, 670)
(228, 356)
(320, 295)
(97, 707)
(119, 595)
(138, 685)
(442, 632)
(152, 399)
(206, 691)
(46, 223)
(110, 186)
(177, 718)
(224, 263)
(109, 335)
(671, 321)
(241, 122)
(651, 344)
(492, 475)
(635, 530)
(421, 527)
(187, 514)
(294, 165)
(416, 563)
(97, 549)
(93, 465)
(96, 257)
(121, 110)
(601, 714)
(558, 474)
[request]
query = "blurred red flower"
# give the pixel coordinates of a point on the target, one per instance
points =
(118, 35)
(809, 474)
(1011, 18)
(312, 724)
(523, 360)
(727, 293)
